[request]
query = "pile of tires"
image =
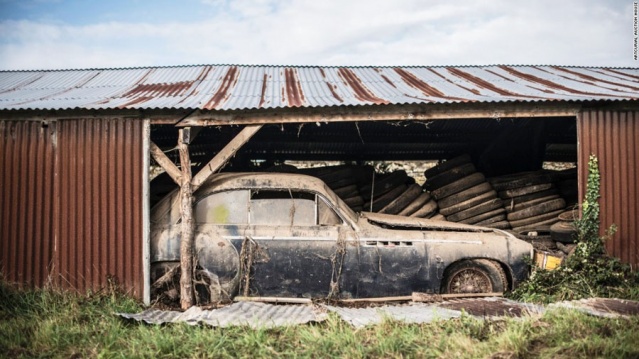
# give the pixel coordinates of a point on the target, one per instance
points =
(565, 231)
(463, 195)
(531, 199)
(566, 182)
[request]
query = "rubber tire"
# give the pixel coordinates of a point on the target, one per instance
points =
(402, 200)
(490, 270)
(528, 197)
(384, 184)
(538, 209)
(383, 200)
(540, 226)
(564, 232)
(517, 192)
(491, 220)
(469, 203)
(498, 225)
(483, 216)
(528, 180)
(449, 176)
(354, 201)
(527, 204)
(445, 166)
(535, 219)
(465, 195)
(346, 192)
(416, 204)
(481, 208)
(570, 215)
(458, 186)
(427, 209)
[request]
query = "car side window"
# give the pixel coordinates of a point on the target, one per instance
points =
(230, 207)
(326, 216)
(286, 208)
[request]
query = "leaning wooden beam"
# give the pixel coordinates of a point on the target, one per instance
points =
(187, 227)
(165, 163)
(274, 300)
(224, 155)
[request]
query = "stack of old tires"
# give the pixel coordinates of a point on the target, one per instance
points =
(345, 181)
(463, 195)
(531, 199)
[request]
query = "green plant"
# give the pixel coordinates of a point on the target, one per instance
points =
(589, 272)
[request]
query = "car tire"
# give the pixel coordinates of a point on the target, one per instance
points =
(347, 191)
(499, 225)
(449, 176)
(491, 220)
(469, 203)
(525, 198)
(474, 276)
(483, 216)
(465, 195)
(539, 226)
(416, 204)
(511, 193)
(523, 205)
(427, 209)
(564, 232)
(524, 181)
(383, 200)
(481, 208)
(459, 185)
(538, 209)
(535, 219)
(383, 184)
(402, 200)
(447, 165)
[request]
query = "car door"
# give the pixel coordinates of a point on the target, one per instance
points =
(297, 245)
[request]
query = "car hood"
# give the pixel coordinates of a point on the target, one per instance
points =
(399, 222)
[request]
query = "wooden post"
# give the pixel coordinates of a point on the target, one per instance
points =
(187, 227)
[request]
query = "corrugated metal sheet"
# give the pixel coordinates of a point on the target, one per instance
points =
(613, 137)
(100, 203)
(255, 315)
(229, 87)
(72, 203)
(27, 152)
(602, 307)
(409, 313)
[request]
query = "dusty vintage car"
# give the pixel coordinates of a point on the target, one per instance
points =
(273, 234)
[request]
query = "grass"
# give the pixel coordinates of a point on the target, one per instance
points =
(46, 323)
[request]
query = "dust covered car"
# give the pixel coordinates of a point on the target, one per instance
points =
(289, 235)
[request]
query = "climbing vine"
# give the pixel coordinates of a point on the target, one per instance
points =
(589, 272)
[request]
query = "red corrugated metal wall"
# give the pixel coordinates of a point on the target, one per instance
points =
(27, 152)
(89, 174)
(613, 136)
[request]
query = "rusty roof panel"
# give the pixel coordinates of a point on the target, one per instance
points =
(602, 307)
(234, 87)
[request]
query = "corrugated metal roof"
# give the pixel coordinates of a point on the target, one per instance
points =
(231, 87)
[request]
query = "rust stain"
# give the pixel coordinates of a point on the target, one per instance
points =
(622, 74)
(499, 75)
(422, 86)
(548, 83)
(200, 77)
(22, 84)
(361, 92)
(475, 91)
(136, 101)
(79, 84)
(594, 79)
(229, 81)
(294, 93)
(332, 88)
(322, 72)
(481, 83)
(160, 90)
(263, 93)
(388, 81)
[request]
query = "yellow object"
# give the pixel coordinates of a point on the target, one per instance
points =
(546, 260)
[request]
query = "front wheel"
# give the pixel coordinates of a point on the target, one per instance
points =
(474, 276)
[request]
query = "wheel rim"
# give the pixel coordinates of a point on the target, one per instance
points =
(470, 280)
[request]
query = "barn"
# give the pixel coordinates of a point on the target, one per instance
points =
(77, 147)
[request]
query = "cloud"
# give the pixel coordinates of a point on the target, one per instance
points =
(331, 32)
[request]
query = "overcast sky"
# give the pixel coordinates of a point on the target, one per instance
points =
(58, 34)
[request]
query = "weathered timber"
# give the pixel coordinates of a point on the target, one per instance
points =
(187, 227)
(165, 163)
(274, 300)
(421, 297)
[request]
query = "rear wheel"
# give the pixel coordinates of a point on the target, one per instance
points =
(474, 276)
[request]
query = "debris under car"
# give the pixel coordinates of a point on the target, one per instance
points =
(290, 235)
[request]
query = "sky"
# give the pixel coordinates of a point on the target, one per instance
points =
(69, 34)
